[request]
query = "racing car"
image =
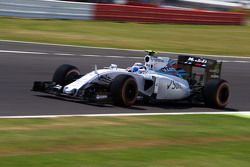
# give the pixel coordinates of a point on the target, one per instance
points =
(189, 78)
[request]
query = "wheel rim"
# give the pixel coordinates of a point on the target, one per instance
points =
(71, 76)
(223, 94)
(129, 92)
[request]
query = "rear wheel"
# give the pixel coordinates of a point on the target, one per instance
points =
(65, 74)
(124, 90)
(216, 93)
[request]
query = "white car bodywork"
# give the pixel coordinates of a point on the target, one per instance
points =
(149, 80)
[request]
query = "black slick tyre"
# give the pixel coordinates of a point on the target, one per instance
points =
(216, 93)
(124, 90)
(65, 74)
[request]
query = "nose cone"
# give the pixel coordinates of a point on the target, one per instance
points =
(69, 91)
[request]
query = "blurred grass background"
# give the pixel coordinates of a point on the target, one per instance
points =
(202, 39)
(150, 141)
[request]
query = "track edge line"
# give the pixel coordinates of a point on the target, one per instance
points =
(134, 50)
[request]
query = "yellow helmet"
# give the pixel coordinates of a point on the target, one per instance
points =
(151, 52)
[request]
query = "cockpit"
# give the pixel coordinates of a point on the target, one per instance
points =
(163, 65)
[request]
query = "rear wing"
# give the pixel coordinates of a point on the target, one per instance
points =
(199, 69)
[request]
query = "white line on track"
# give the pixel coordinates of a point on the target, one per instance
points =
(116, 57)
(234, 61)
(246, 113)
(64, 54)
(91, 55)
(22, 52)
(135, 50)
(87, 55)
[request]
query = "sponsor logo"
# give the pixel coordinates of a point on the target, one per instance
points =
(196, 60)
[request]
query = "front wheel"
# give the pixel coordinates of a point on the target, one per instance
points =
(65, 74)
(124, 90)
(216, 93)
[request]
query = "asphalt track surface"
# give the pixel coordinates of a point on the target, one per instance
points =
(23, 63)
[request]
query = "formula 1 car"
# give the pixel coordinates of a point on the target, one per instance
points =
(190, 78)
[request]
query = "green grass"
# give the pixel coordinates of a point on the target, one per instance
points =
(222, 40)
(158, 141)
